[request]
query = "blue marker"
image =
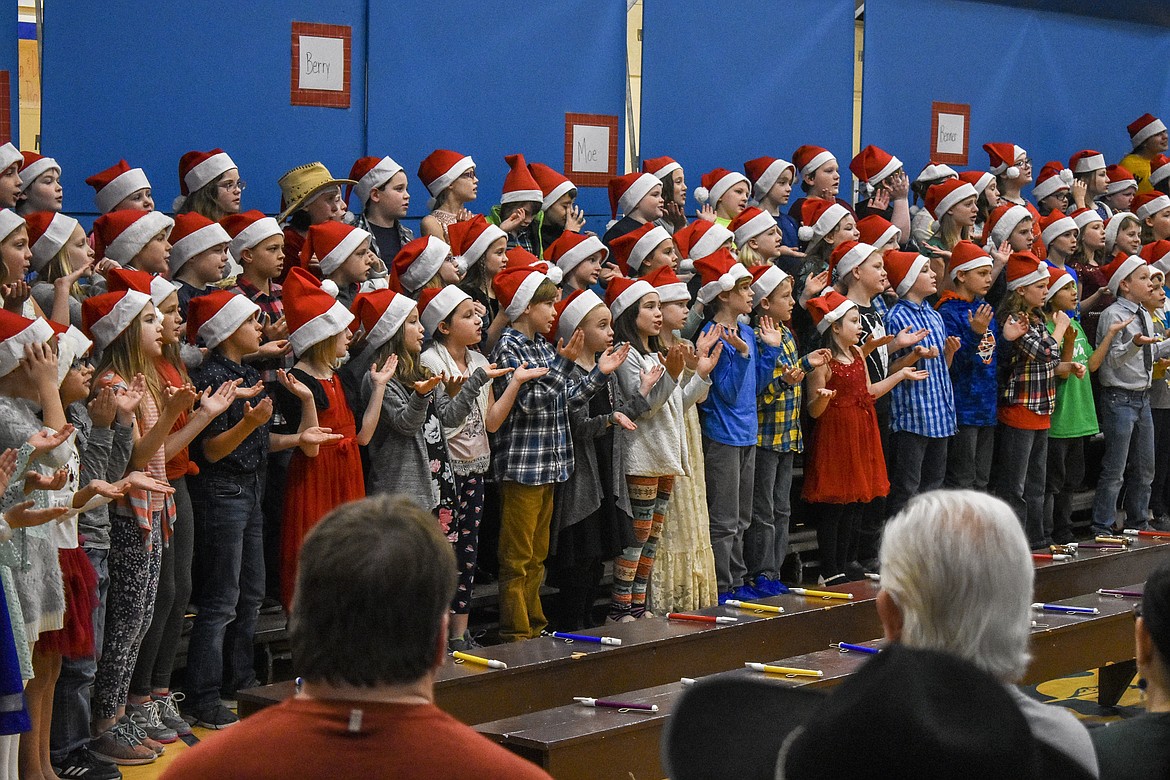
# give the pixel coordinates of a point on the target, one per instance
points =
(845, 647)
(1067, 610)
(600, 640)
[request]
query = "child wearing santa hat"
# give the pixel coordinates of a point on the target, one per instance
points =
(116, 188)
(426, 262)
(1054, 189)
(382, 191)
(725, 192)
(674, 191)
(199, 256)
(15, 261)
(558, 204)
(757, 237)
(342, 255)
(11, 160)
(1119, 193)
(638, 198)
(1087, 260)
(820, 177)
(61, 257)
(40, 184)
(135, 239)
(887, 185)
(1147, 135)
(480, 251)
(583, 260)
(1153, 209)
(824, 226)
(922, 224)
(450, 178)
(1027, 354)
(1012, 169)
(645, 250)
(955, 205)
(519, 212)
(209, 185)
(988, 191)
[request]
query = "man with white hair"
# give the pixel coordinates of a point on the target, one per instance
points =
(957, 577)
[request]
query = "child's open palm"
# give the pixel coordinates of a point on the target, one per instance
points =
(1015, 327)
(382, 376)
(260, 413)
(708, 360)
(819, 357)
(613, 357)
(980, 319)
(424, 386)
(769, 333)
(572, 350)
(495, 372)
(525, 374)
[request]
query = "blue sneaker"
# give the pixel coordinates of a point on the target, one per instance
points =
(747, 593)
(766, 586)
(723, 597)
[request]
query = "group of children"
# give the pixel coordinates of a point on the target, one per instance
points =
(183, 398)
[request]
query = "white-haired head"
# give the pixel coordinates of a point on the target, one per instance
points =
(958, 566)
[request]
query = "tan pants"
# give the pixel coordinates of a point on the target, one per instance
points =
(524, 524)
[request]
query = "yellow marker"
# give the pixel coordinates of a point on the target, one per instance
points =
(475, 659)
(751, 605)
(820, 594)
(787, 671)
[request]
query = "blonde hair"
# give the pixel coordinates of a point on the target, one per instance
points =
(126, 358)
(323, 352)
(749, 256)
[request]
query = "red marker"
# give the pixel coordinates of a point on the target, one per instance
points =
(1050, 557)
(700, 618)
(1159, 534)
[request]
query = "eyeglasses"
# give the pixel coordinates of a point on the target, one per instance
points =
(1024, 163)
(468, 174)
(228, 186)
(80, 364)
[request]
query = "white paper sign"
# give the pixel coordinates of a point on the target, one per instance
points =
(590, 149)
(950, 134)
(322, 63)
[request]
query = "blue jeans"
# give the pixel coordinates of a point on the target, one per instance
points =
(765, 542)
(71, 697)
(1128, 426)
(229, 539)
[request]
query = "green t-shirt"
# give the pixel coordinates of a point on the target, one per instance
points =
(1075, 415)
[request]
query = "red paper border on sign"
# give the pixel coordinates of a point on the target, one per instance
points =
(320, 97)
(594, 120)
(964, 109)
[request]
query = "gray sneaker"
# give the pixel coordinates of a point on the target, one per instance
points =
(121, 746)
(146, 717)
(168, 713)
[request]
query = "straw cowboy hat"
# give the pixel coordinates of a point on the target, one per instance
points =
(301, 183)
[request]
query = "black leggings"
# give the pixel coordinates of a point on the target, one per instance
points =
(836, 524)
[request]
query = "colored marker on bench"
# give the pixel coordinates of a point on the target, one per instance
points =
(787, 671)
(1153, 534)
(616, 705)
(701, 618)
(845, 647)
(820, 594)
(1102, 546)
(1121, 594)
(687, 680)
(1067, 610)
(597, 640)
(1051, 557)
(491, 663)
(1106, 539)
(751, 605)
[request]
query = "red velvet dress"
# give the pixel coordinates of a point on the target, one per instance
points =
(845, 462)
(316, 485)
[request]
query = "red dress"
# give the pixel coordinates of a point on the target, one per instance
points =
(845, 462)
(316, 485)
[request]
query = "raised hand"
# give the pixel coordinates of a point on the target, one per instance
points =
(494, 372)
(814, 285)
(514, 219)
(899, 185)
(914, 374)
(873, 342)
(730, 334)
(131, 396)
(424, 386)
(793, 375)
(67, 281)
(41, 364)
(525, 374)
(708, 339)
(612, 358)
(952, 345)
(15, 294)
(980, 319)
(819, 357)
(177, 400)
(103, 407)
(217, 402)
(1079, 369)
(1061, 320)
(453, 383)
(34, 480)
(575, 219)
(623, 421)
(44, 441)
(23, 515)
(318, 435)
(248, 393)
(708, 361)
(1015, 327)
(675, 215)
(7, 466)
(1077, 192)
(270, 350)
(769, 333)
(295, 386)
(608, 273)
(690, 356)
(649, 378)
(923, 352)
(1000, 253)
(107, 489)
(140, 480)
(1120, 325)
(572, 350)
(706, 213)
(275, 331)
(260, 413)
(826, 393)
(674, 360)
(880, 200)
(908, 337)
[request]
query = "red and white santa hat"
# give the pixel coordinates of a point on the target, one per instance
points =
(661, 167)
(1053, 178)
(312, 310)
(1058, 279)
(1113, 227)
(1120, 269)
(436, 305)
(903, 269)
(515, 287)
(669, 287)
(116, 183)
(1159, 169)
(417, 263)
(1085, 217)
(71, 344)
(809, 158)
(519, 185)
(34, 165)
(48, 232)
(967, 256)
(518, 257)
(719, 272)
(942, 197)
(1143, 128)
(848, 255)
(1023, 269)
(764, 172)
(1148, 204)
(571, 311)
(1157, 254)
(332, 242)
(1086, 161)
(625, 191)
(750, 223)
(1120, 180)
(9, 221)
(9, 156)
(1003, 221)
(441, 168)
(977, 179)
(827, 308)
(380, 313)
(571, 249)
(818, 218)
(370, 173)
(765, 279)
(194, 233)
(104, 316)
(553, 184)
(15, 333)
(471, 239)
(878, 230)
(715, 184)
(214, 317)
(622, 293)
(935, 171)
(247, 229)
(632, 249)
(198, 169)
(1002, 158)
(1057, 224)
(120, 235)
(699, 239)
(872, 164)
(158, 288)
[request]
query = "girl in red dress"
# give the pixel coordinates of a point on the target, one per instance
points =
(318, 328)
(844, 467)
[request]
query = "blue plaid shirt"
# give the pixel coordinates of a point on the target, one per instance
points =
(534, 445)
(778, 403)
(926, 408)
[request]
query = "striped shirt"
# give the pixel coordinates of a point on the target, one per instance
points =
(926, 408)
(778, 403)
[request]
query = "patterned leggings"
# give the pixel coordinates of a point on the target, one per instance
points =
(464, 536)
(631, 571)
(134, 571)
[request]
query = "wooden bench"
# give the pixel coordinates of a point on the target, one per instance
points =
(568, 740)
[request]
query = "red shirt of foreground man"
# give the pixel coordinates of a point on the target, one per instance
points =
(314, 738)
